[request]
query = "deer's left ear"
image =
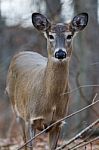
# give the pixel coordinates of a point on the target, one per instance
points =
(79, 22)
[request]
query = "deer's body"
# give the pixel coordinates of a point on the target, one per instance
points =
(36, 85)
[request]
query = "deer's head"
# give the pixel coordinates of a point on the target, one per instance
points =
(59, 36)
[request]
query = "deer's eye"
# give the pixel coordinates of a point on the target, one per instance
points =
(51, 37)
(69, 37)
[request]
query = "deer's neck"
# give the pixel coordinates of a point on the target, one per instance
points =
(56, 77)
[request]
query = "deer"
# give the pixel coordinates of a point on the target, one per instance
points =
(35, 84)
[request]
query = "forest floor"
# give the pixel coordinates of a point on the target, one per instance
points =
(41, 143)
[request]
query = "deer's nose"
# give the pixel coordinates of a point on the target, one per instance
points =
(60, 54)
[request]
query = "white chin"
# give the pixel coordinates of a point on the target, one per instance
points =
(60, 60)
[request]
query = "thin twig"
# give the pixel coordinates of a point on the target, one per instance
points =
(82, 86)
(81, 91)
(95, 63)
(57, 122)
(85, 143)
(94, 98)
(78, 135)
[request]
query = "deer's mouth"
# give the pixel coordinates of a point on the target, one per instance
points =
(56, 60)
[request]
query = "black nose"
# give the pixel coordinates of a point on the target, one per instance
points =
(60, 54)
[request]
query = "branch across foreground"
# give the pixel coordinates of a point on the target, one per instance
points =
(53, 124)
(85, 143)
(86, 137)
(79, 135)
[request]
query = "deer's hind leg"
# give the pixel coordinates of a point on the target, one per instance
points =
(23, 127)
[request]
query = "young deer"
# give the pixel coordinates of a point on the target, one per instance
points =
(35, 84)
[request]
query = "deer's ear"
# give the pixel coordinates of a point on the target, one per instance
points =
(40, 22)
(79, 22)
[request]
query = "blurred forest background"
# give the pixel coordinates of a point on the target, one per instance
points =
(17, 32)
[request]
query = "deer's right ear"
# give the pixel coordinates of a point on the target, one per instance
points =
(40, 22)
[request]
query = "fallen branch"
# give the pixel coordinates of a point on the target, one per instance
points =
(57, 123)
(79, 135)
(85, 143)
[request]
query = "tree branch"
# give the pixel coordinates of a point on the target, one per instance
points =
(82, 86)
(86, 138)
(85, 143)
(79, 135)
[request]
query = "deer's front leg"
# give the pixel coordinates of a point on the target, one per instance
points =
(31, 134)
(54, 134)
